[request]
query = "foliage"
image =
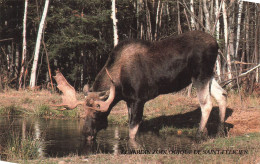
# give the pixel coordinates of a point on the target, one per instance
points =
(78, 34)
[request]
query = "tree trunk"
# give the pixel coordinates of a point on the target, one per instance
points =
(157, 20)
(38, 44)
(226, 39)
(16, 59)
(207, 19)
(139, 8)
(218, 63)
(240, 8)
(113, 16)
(200, 16)
(231, 35)
(24, 44)
(247, 29)
(149, 35)
(192, 21)
(179, 18)
(257, 41)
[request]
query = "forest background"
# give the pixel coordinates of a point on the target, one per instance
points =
(38, 37)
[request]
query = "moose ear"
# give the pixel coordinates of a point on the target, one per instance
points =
(86, 89)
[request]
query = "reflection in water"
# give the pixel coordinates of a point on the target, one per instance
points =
(64, 137)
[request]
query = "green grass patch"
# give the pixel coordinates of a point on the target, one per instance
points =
(118, 119)
(11, 110)
(22, 148)
(173, 130)
(46, 111)
(238, 142)
(70, 113)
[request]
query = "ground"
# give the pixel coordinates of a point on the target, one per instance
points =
(171, 110)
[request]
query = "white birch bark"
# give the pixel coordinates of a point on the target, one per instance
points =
(157, 20)
(113, 16)
(218, 63)
(38, 44)
(206, 12)
(192, 21)
(240, 8)
(24, 43)
(226, 39)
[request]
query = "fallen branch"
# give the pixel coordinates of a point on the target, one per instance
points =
(238, 62)
(2, 40)
(239, 76)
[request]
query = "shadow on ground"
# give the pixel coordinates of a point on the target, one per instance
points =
(186, 120)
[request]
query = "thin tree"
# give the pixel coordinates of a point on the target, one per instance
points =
(38, 44)
(24, 44)
(240, 8)
(226, 39)
(207, 18)
(157, 20)
(218, 63)
(192, 21)
(139, 8)
(257, 40)
(113, 16)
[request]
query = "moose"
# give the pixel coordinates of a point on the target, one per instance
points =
(137, 71)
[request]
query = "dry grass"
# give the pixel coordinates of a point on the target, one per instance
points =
(244, 117)
(38, 103)
(27, 99)
(245, 114)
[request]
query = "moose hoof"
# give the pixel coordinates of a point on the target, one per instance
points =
(221, 130)
(201, 136)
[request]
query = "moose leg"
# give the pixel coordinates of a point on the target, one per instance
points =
(205, 104)
(135, 115)
(220, 95)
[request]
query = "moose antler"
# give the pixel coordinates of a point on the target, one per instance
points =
(103, 106)
(69, 99)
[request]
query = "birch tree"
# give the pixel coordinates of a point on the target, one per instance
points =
(192, 22)
(225, 20)
(157, 20)
(257, 41)
(218, 63)
(139, 8)
(207, 18)
(24, 44)
(240, 8)
(38, 44)
(113, 16)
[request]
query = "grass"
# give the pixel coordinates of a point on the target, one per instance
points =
(245, 147)
(22, 148)
(32, 103)
(169, 114)
(178, 131)
(11, 110)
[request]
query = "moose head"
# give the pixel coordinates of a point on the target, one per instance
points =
(95, 104)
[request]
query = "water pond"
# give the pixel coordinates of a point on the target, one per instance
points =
(64, 137)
